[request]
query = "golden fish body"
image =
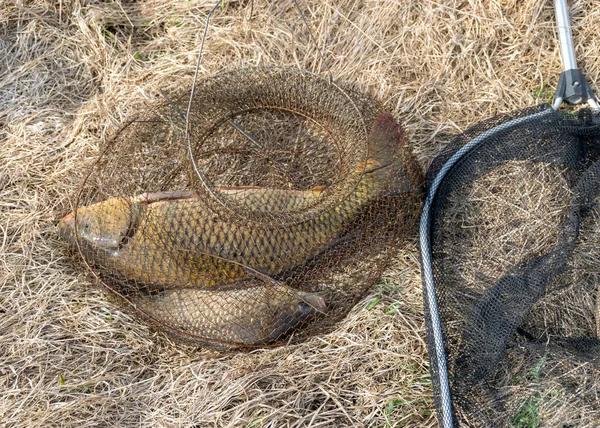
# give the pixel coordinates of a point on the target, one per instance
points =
(175, 240)
(254, 315)
(181, 243)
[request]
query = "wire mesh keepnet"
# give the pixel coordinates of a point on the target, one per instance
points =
(515, 240)
(264, 224)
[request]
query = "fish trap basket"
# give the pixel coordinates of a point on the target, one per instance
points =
(515, 244)
(261, 222)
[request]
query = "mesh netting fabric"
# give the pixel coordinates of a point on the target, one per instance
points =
(263, 223)
(515, 242)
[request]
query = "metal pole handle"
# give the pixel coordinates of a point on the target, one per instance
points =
(572, 86)
(565, 38)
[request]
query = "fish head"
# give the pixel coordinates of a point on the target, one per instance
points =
(100, 228)
(297, 314)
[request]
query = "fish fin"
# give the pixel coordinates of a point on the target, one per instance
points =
(392, 156)
(151, 197)
(236, 188)
(173, 195)
(316, 301)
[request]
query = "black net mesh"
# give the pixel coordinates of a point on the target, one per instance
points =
(265, 225)
(515, 241)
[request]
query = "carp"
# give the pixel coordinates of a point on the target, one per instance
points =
(173, 239)
(251, 316)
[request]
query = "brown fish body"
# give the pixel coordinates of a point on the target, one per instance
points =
(180, 242)
(254, 315)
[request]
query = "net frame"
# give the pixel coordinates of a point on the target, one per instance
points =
(572, 88)
(437, 352)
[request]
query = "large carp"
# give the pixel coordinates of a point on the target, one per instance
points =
(173, 239)
(249, 316)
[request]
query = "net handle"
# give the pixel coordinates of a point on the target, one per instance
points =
(572, 86)
(565, 37)
(438, 355)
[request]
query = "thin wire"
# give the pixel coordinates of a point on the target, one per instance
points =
(280, 168)
(330, 76)
(312, 37)
(189, 109)
(245, 134)
(173, 105)
(200, 176)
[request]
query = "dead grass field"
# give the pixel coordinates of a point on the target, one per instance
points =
(72, 70)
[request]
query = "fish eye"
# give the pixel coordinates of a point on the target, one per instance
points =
(85, 228)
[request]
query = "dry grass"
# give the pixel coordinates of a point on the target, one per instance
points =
(72, 70)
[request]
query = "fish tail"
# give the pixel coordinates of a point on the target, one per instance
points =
(395, 164)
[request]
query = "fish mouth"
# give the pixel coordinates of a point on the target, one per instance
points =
(66, 229)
